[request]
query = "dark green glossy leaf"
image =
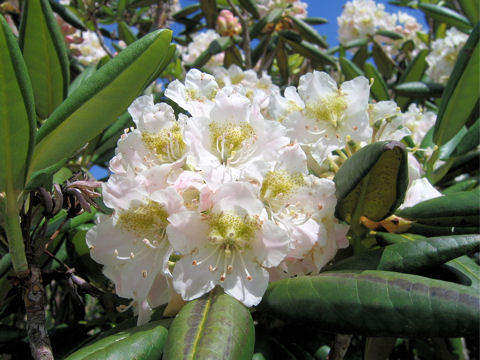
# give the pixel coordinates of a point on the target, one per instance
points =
(435, 230)
(372, 182)
(349, 69)
(390, 34)
(378, 348)
(468, 269)
(125, 33)
(412, 256)
(461, 92)
(45, 55)
(250, 6)
(315, 20)
(471, 9)
(377, 303)
(420, 89)
(101, 99)
(17, 114)
(384, 63)
(464, 185)
(144, 342)
(413, 72)
(209, 9)
(282, 60)
(81, 78)
(361, 56)
(217, 46)
(386, 238)
(450, 146)
(215, 326)
(44, 177)
(446, 15)
(470, 140)
(457, 209)
(308, 50)
(355, 43)
(309, 33)
(187, 10)
(379, 88)
(67, 15)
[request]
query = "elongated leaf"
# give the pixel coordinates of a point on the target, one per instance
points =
(418, 89)
(101, 99)
(67, 15)
(214, 326)
(125, 33)
(315, 20)
(465, 185)
(470, 140)
(250, 6)
(209, 9)
(384, 63)
(282, 60)
(144, 342)
(436, 230)
(372, 182)
(446, 15)
(471, 9)
(468, 268)
(413, 72)
(45, 55)
(377, 303)
(17, 113)
(361, 56)
(412, 256)
(390, 34)
(457, 209)
(461, 92)
(379, 87)
(308, 32)
(349, 69)
(308, 50)
(185, 11)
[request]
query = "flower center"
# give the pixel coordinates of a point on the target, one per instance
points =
(144, 220)
(167, 144)
(329, 109)
(228, 139)
(280, 182)
(230, 235)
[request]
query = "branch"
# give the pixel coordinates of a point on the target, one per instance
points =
(33, 298)
(339, 347)
(246, 35)
(100, 40)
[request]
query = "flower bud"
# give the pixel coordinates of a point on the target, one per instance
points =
(227, 24)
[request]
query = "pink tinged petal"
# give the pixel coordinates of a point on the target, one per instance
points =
(120, 191)
(341, 231)
(159, 292)
(273, 245)
(176, 92)
(170, 200)
(303, 238)
(187, 231)
(418, 191)
(144, 311)
(293, 159)
(247, 290)
(237, 196)
(192, 281)
(231, 108)
(313, 86)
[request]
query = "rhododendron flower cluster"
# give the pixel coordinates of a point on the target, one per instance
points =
(444, 54)
(88, 49)
(200, 42)
(219, 195)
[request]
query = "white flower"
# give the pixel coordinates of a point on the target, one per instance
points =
(158, 138)
(229, 245)
(387, 122)
(361, 18)
(418, 191)
(441, 59)
(418, 121)
(90, 49)
(294, 8)
(331, 116)
(196, 95)
(134, 249)
(234, 136)
(200, 42)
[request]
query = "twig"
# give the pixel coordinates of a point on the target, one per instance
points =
(100, 40)
(161, 15)
(246, 35)
(33, 298)
(340, 347)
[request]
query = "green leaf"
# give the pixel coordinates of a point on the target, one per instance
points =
(468, 268)
(101, 99)
(216, 46)
(214, 326)
(250, 6)
(349, 69)
(309, 33)
(209, 9)
(185, 11)
(446, 15)
(17, 114)
(413, 72)
(308, 50)
(361, 56)
(436, 230)
(419, 89)
(465, 185)
(411, 256)
(125, 33)
(471, 10)
(390, 34)
(45, 55)
(461, 92)
(67, 15)
(282, 60)
(470, 140)
(376, 303)
(81, 78)
(379, 87)
(372, 182)
(315, 20)
(356, 43)
(457, 209)
(384, 63)
(144, 342)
